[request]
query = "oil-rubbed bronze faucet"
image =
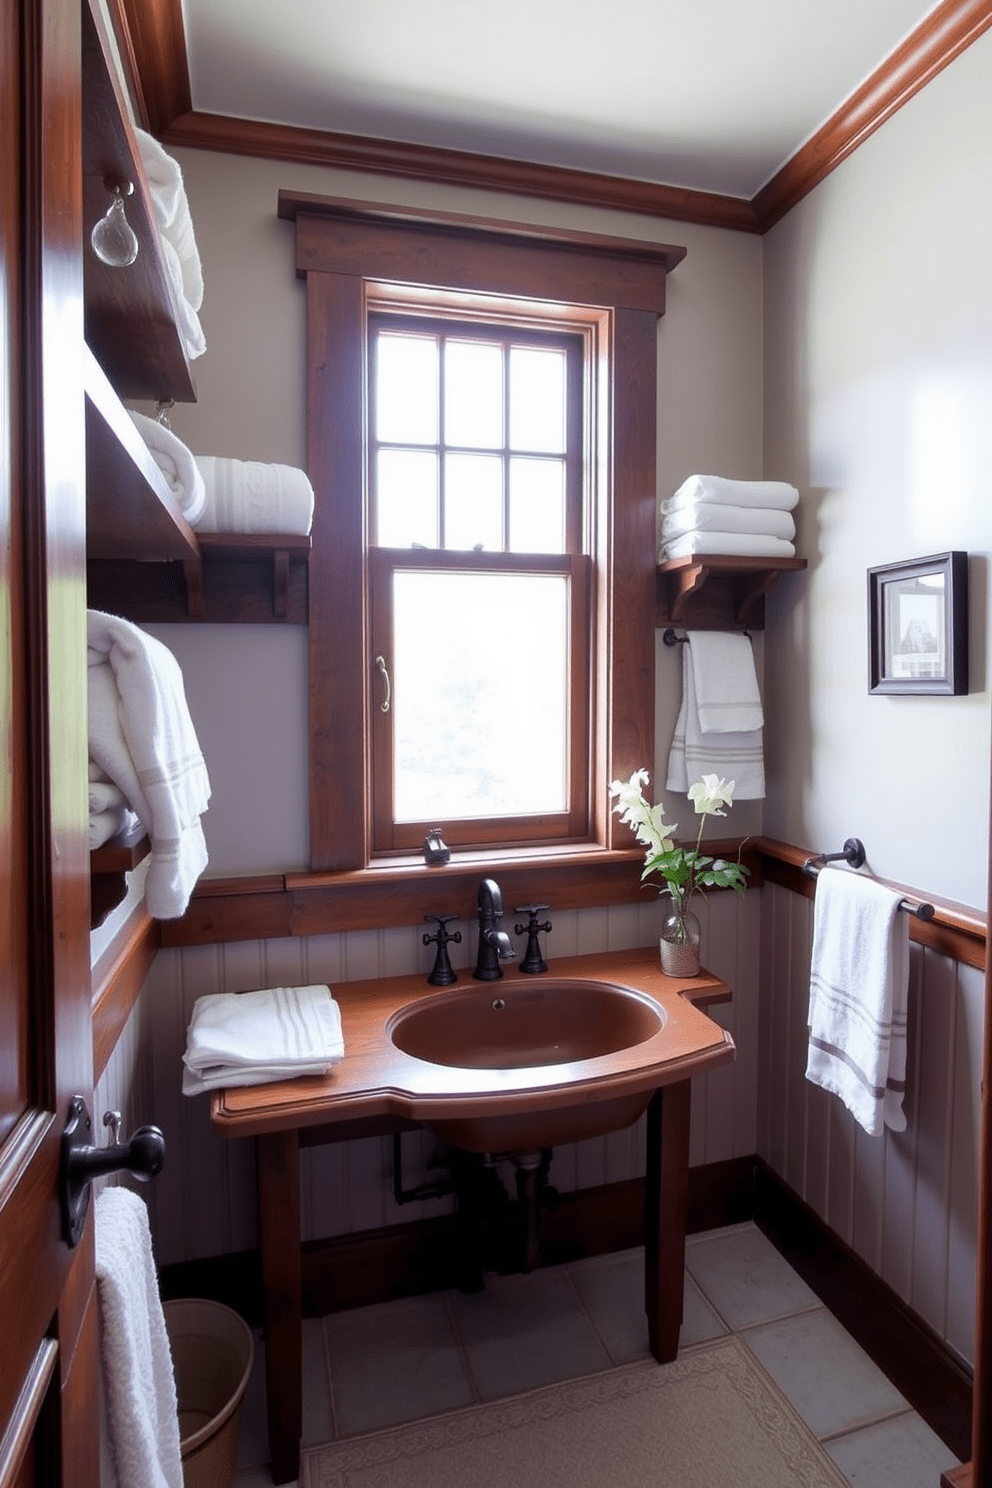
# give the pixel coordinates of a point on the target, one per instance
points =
(494, 944)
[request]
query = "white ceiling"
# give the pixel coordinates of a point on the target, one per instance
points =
(713, 95)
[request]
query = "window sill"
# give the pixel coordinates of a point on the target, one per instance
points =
(402, 893)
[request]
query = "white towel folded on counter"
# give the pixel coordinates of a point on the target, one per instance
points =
(700, 489)
(739, 544)
(176, 462)
(253, 1038)
(251, 496)
(141, 737)
(763, 521)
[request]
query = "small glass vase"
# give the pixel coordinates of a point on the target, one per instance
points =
(679, 941)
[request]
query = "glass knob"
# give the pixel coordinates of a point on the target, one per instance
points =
(113, 238)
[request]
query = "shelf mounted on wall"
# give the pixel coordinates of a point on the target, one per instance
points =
(718, 591)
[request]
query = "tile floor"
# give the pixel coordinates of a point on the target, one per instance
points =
(377, 1366)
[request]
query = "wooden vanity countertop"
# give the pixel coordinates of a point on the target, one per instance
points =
(376, 1079)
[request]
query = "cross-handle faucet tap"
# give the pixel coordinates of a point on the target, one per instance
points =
(494, 944)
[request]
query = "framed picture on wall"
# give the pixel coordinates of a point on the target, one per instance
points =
(918, 625)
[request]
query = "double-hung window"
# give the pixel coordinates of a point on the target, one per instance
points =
(479, 581)
(481, 426)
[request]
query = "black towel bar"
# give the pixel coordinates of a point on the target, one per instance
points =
(853, 854)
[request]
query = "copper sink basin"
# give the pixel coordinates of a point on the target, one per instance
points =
(548, 1025)
(554, 1021)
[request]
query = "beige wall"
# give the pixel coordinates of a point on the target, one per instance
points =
(247, 686)
(878, 392)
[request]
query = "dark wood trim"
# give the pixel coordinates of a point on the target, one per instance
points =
(956, 930)
(152, 43)
(456, 168)
(937, 40)
(117, 979)
(934, 1381)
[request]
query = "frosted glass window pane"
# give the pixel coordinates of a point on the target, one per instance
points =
(537, 400)
(406, 498)
(537, 506)
(464, 746)
(406, 389)
(473, 394)
(473, 502)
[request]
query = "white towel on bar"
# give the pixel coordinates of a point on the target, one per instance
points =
(251, 1038)
(762, 521)
(737, 756)
(725, 682)
(707, 488)
(251, 496)
(858, 997)
(731, 544)
(140, 1415)
(142, 738)
(181, 472)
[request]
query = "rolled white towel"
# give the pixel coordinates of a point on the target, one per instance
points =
(251, 496)
(108, 823)
(762, 521)
(737, 544)
(172, 215)
(176, 462)
(703, 488)
(104, 794)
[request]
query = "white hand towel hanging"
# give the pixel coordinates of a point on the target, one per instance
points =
(725, 682)
(140, 1416)
(859, 990)
(736, 755)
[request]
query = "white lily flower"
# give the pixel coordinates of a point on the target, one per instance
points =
(711, 794)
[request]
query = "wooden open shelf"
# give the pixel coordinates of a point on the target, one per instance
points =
(109, 867)
(717, 591)
(130, 314)
(249, 579)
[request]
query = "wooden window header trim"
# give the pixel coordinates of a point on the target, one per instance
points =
(382, 241)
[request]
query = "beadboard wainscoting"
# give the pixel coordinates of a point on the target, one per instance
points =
(204, 1202)
(906, 1203)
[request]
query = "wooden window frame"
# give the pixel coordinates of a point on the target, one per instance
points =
(353, 255)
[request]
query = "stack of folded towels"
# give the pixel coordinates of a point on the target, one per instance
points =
(144, 755)
(179, 250)
(709, 514)
(216, 494)
(253, 1038)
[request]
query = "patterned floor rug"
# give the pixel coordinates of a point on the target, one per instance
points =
(712, 1419)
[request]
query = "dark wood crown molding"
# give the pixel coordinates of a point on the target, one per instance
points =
(153, 52)
(940, 37)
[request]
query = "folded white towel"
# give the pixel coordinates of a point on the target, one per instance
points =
(104, 793)
(858, 997)
(704, 488)
(737, 544)
(724, 681)
(108, 823)
(704, 516)
(182, 474)
(142, 738)
(139, 1390)
(251, 1038)
(737, 755)
(251, 496)
(172, 216)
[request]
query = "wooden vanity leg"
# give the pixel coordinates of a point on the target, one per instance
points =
(666, 1196)
(279, 1224)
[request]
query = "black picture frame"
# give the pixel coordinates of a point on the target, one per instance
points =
(918, 626)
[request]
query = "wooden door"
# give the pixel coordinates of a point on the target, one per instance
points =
(48, 1327)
